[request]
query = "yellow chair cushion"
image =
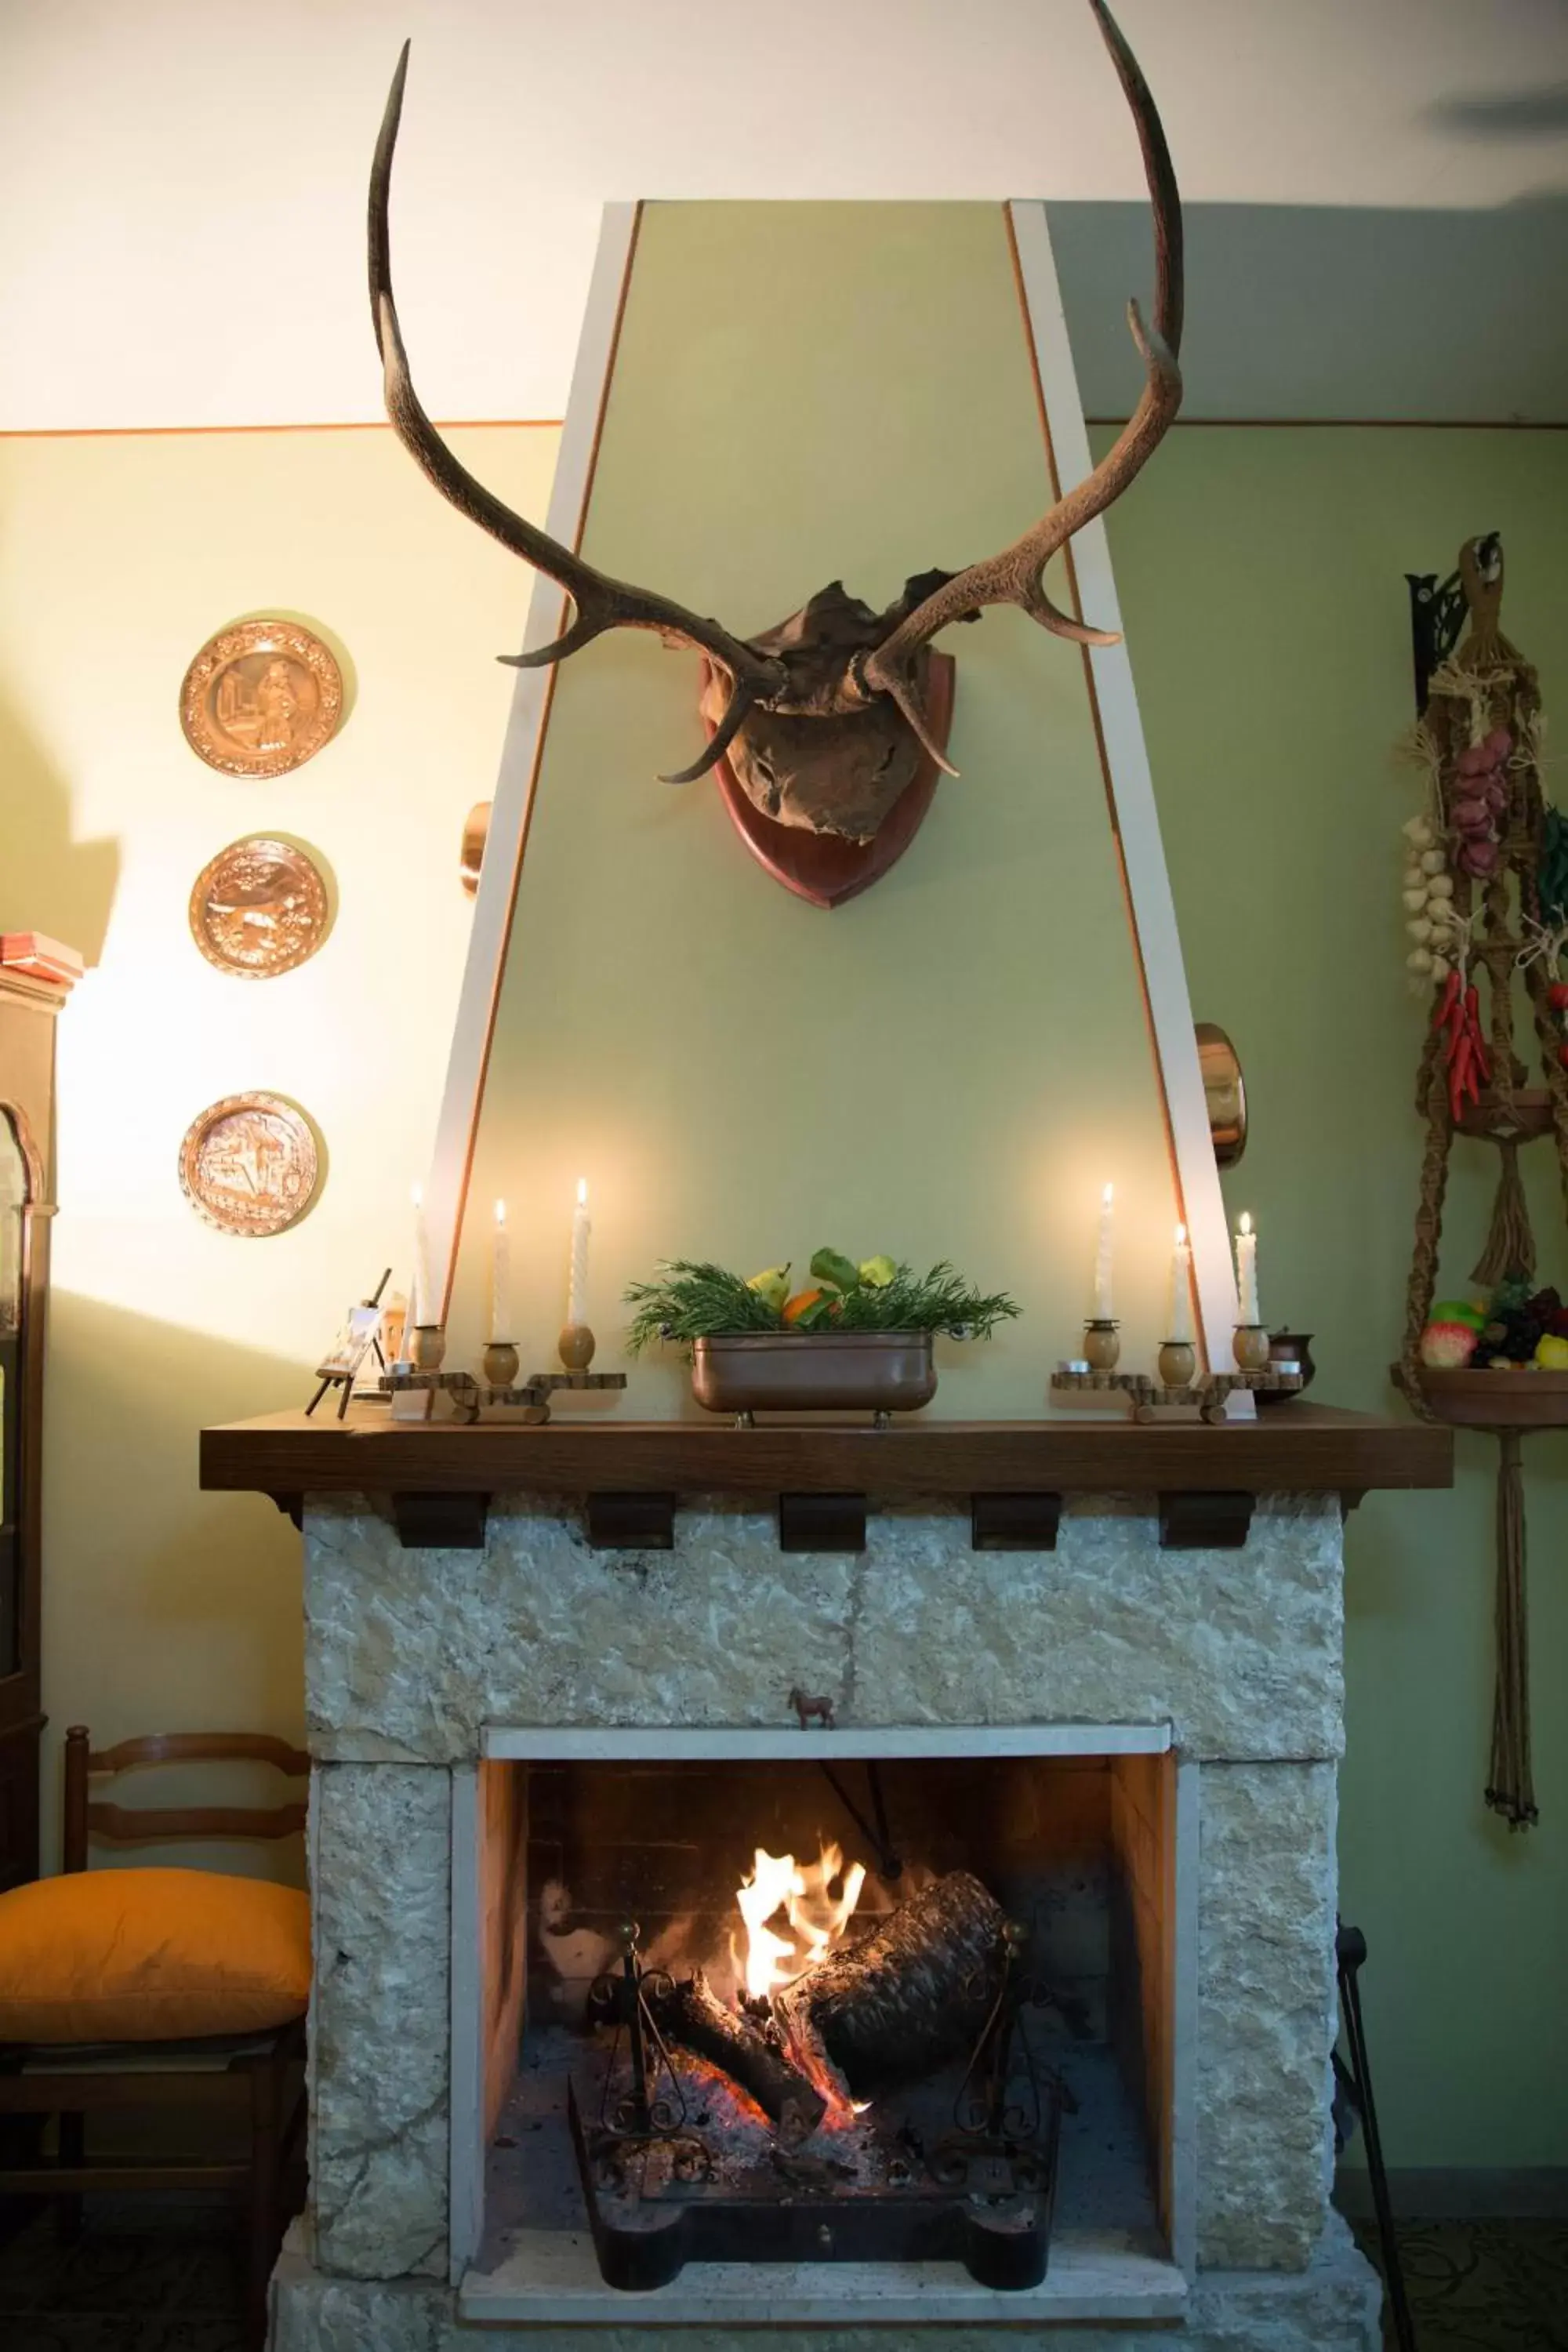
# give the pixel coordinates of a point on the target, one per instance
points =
(150, 1955)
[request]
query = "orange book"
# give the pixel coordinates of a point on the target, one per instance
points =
(44, 957)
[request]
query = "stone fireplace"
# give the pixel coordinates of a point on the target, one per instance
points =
(541, 1702)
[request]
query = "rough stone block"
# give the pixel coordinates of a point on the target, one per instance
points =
(1265, 2010)
(409, 1653)
(1331, 2306)
(379, 2022)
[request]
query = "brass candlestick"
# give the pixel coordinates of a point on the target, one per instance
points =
(1102, 1345)
(1178, 1362)
(1250, 1345)
(429, 1346)
(501, 1363)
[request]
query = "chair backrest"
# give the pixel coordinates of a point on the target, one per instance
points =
(146, 1824)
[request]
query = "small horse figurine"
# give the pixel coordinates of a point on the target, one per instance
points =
(812, 1710)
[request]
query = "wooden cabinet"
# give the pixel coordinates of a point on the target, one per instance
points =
(28, 1011)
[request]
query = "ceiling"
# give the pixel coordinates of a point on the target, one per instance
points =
(1378, 189)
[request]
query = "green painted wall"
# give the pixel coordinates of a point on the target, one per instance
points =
(949, 1066)
(1260, 574)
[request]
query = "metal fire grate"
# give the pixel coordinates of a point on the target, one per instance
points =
(676, 2168)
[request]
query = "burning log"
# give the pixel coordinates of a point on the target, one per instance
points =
(910, 1993)
(693, 2015)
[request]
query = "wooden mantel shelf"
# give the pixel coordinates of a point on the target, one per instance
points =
(1299, 1448)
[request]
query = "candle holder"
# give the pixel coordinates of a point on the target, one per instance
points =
(1250, 1346)
(1102, 1345)
(575, 1349)
(1178, 1362)
(412, 1380)
(502, 1364)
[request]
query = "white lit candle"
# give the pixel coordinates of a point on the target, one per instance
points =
(419, 1290)
(501, 1278)
(1104, 1307)
(1246, 1271)
(1180, 1323)
(577, 1286)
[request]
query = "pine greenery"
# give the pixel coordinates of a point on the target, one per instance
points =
(691, 1299)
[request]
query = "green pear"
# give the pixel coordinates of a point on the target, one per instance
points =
(771, 1285)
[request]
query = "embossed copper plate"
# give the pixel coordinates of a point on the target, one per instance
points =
(259, 908)
(476, 834)
(249, 1164)
(260, 699)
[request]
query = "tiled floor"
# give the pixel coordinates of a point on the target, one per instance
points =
(1485, 2286)
(131, 2283)
(171, 2283)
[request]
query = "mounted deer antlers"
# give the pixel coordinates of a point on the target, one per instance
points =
(826, 717)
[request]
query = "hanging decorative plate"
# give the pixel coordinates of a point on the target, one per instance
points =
(260, 699)
(259, 908)
(249, 1164)
(476, 834)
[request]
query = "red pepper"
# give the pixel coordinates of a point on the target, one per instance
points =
(1459, 1070)
(1448, 1001)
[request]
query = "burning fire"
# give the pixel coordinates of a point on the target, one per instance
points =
(814, 1916)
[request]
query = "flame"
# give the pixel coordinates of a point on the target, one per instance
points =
(815, 1916)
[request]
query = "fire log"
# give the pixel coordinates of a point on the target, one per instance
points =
(694, 2016)
(914, 1990)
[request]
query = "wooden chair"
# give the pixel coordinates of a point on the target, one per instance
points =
(73, 2080)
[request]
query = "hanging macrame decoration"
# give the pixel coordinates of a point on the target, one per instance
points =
(1485, 888)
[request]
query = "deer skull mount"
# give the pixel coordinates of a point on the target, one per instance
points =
(826, 721)
(805, 763)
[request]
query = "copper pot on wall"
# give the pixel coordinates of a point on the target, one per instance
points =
(1225, 1091)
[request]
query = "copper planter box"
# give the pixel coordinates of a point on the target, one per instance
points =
(814, 1372)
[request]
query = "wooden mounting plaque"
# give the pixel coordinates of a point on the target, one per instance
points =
(821, 868)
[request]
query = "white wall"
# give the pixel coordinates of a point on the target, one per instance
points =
(183, 181)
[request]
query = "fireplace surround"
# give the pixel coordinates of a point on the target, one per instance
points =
(1137, 1739)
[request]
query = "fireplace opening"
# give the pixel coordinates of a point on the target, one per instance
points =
(907, 2009)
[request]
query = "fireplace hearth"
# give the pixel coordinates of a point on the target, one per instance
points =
(829, 2059)
(892, 2008)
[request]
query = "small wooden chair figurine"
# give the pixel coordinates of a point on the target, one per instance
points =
(129, 1988)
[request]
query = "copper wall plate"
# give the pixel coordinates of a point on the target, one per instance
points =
(1225, 1091)
(259, 907)
(476, 834)
(260, 699)
(249, 1164)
